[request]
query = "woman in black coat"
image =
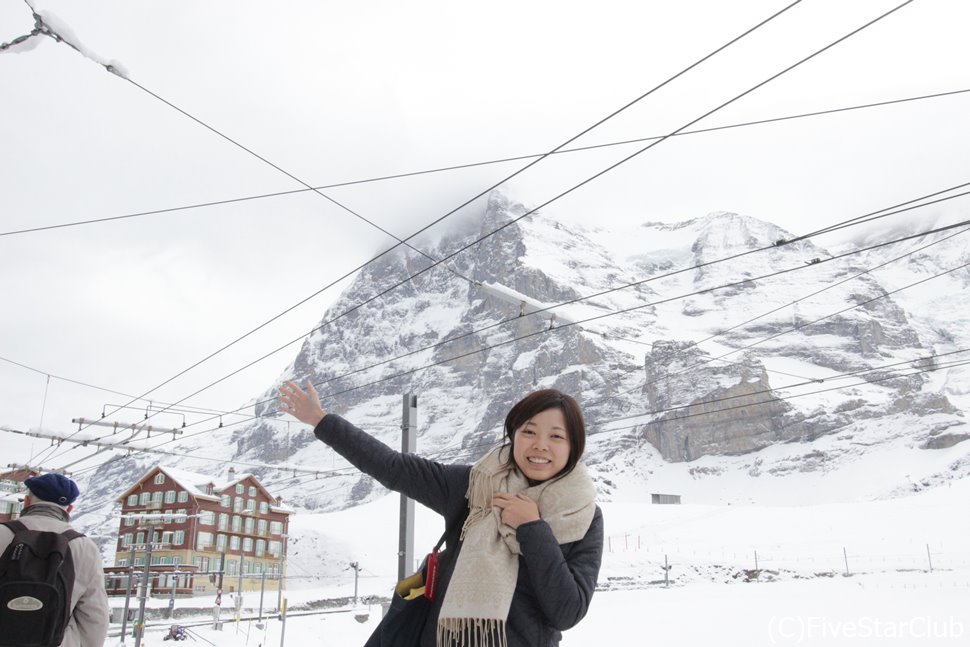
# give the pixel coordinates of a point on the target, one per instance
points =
(529, 549)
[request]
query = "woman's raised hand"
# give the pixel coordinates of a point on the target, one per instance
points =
(302, 405)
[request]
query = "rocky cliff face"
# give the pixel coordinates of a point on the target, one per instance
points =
(698, 359)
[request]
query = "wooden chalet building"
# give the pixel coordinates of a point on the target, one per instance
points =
(234, 520)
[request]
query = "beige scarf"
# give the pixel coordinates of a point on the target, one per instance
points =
(479, 595)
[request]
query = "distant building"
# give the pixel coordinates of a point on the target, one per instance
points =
(665, 498)
(236, 517)
(12, 490)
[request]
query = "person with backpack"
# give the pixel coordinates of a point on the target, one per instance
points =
(525, 536)
(51, 576)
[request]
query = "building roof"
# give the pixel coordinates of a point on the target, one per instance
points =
(19, 475)
(196, 484)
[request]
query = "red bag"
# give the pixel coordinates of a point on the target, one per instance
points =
(431, 577)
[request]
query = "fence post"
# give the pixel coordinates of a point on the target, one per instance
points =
(929, 557)
(845, 555)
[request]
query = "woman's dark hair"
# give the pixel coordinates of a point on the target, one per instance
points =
(539, 401)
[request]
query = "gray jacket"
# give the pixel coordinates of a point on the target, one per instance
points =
(555, 582)
(89, 603)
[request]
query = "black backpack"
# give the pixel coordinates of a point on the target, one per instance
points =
(36, 580)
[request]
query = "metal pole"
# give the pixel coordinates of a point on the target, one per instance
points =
(283, 620)
(845, 554)
(143, 594)
(131, 572)
(929, 557)
(262, 590)
(171, 597)
(217, 611)
(242, 558)
(279, 576)
(405, 553)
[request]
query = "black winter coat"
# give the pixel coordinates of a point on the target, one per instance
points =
(555, 582)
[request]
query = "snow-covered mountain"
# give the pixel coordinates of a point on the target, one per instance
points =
(791, 365)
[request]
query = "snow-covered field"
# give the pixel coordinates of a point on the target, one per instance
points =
(801, 593)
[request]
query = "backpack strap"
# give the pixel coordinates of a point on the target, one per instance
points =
(15, 526)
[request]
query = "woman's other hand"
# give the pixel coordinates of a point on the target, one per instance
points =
(302, 405)
(517, 509)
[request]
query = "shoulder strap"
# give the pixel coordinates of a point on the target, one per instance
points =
(458, 521)
(15, 526)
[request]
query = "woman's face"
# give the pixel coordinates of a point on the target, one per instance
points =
(541, 446)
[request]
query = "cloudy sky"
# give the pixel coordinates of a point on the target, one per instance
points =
(329, 93)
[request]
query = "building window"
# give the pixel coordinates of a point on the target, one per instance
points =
(232, 567)
(129, 521)
(250, 505)
(234, 542)
(237, 504)
(226, 501)
(181, 515)
(221, 542)
(247, 544)
(178, 538)
(276, 527)
(145, 498)
(223, 521)
(183, 496)
(156, 560)
(203, 540)
(240, 488)
(236, 523)
(139, 561)
(252, 490)
(126, 539)
(207, 517)
(249, 525)
(122, 562)
(140, 538)
(159, 479)
(260, 547)
(133, 499)
(261, 527)
(170, 496)
(157, 498)
(275, 548)
(263, 507)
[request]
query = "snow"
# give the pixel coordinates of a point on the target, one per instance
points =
(802, 595)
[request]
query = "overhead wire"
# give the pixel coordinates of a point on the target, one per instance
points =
(434, 263)
(276, 194)
(566, 192)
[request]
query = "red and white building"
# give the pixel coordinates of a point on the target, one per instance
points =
(232, 526)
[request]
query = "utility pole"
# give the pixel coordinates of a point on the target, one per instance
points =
(262, 590)
(409, 424)
(356, 567)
